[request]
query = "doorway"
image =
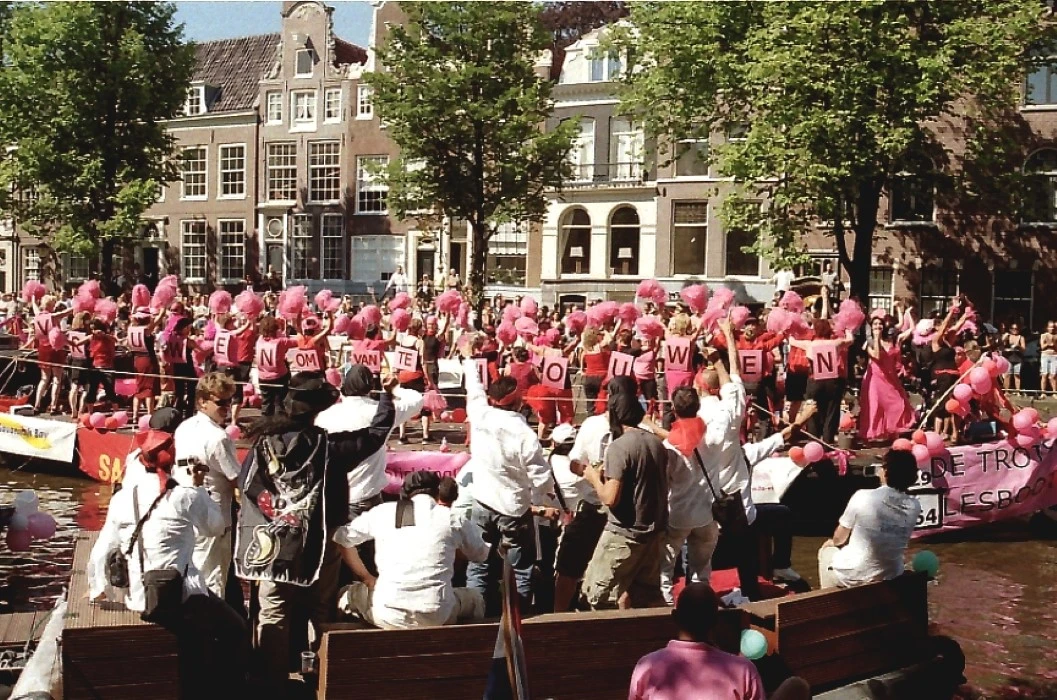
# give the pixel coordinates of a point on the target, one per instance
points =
(458, 257)
(425, 264)
(151, 269)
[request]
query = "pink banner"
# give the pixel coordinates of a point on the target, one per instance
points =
(977, 484)
(400, 464)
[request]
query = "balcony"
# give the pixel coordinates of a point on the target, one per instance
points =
(595, 175)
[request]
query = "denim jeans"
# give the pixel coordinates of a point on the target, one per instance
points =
(510, 537)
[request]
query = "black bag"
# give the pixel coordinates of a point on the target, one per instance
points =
(116, 568)
(162, 588)
(728, 509)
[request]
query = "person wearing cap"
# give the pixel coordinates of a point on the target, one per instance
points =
(356, 410)
(295, 496)
(510, 477)
(313, 336)
(164, 419)
(692, 667)
(415, 539)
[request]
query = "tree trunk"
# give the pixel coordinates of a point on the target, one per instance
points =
(867, 204)
(478, 260)
(106, 266)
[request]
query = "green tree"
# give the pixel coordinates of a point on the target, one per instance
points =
(837, 99)
(84, 91)
(458, 93)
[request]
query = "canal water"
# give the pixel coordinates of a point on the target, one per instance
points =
(996, 591)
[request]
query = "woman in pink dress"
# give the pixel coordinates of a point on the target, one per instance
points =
(884, 410)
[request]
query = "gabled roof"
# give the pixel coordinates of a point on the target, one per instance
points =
(346, 53)
(235, 67)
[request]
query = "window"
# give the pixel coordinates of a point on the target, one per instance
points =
(196, 101)
(333, 231)
(372, 192)
(575, 234)
(603, 67)
(301, 247)
(582, 155)
(939, 283)
(507, 253)
(691, 158)
(1013, 291)
(304, 107)
(31, 265)
(374, 258)
(324, 171)
(304, 63)
(282, 172)
(193, 250)
(689, 237)
(231, 249)
(624, 242)
(1040, 85)
(364, 102)
(75, 268)
(194, 173)
(881, 288)
(625, 150)
(740, 261)
(911, 198)
(233, 171)
(1040, 202)
(738, 133)
(332, 105)
(275, 107)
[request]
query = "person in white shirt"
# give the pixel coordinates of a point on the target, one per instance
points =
(872, 535)
(415, 543)
(201, 440)
(398, 281)
(509, 474)
(356, 410)
(783, 280)
(165, 419)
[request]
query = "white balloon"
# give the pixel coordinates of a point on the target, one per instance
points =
(26, 502)
(18, 522)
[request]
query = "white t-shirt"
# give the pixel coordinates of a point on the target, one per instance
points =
(783, 280)
(881, 521)
(588, 449)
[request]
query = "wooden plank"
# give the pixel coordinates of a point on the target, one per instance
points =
(908, 591)
(22, 627)
(894, 639)
(445, 689)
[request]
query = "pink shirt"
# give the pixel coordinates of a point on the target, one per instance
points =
(694, 670)
(271, 357)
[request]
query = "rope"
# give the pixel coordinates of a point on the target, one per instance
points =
(817, 439)
(950, 389)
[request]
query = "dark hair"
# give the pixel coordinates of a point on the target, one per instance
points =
(685, 402)
(901, 469)
(696, 610)
(448, 490)
(420, 482)
(269, 326)
(823, 329)
(521, 354)
(502, 388)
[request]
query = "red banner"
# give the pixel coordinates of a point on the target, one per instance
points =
(103, 453)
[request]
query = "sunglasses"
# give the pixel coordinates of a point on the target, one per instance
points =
(222, 403)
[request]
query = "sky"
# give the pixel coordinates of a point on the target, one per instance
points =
(205, 20)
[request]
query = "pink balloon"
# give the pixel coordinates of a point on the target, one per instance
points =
(813, 452)
(248, 389)
(918, 437)
(1001, 365)
(18, 540)
(1032, 414)
(144, 423)
(979, 374)
(97, 420)
(982, 386)
(122, 418)
(963, 392)
(933, 443)
(234, 431)
(1052, 427)
(41, 526)
(991, 367)
(921, 453)
(902, 444)
(1022, 420)
(334, 377)
(1025, 440)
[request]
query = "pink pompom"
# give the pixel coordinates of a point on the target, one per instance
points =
(849, 317)
(323, 299)
(233, 431)
(292, 302)
(144, 424)
(526, 327)
(551, 337)
(220, 302)
(529, 307)
(575, 322)
(695, 296)
(651, 290)
(462, 316)
(791, 301)
(629, 313)
(248, 304)
(140, 296)
(84, 302)
(511, 313)
(506, 333)
(33, 291)
(56, 338)
(164, 294)
(341, 324)
(921, 453)
(106, 310)
(371, 315)
(356, 328)
(170, 280)
(448, 302)
(739, 315)
(334, 377)
(400, 300)
(649, 327)
(710, 319)
(779, 320)
(400, 319)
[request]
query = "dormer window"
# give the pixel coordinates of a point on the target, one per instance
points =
(603, 68)
(305, 63)
(196, 100)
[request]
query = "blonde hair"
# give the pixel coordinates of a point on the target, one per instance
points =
(47, 302)
(679, 324)
(214, 386)
(589, 338)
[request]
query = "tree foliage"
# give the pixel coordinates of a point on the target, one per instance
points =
(838, 99)
(458, 93)
(83, 93)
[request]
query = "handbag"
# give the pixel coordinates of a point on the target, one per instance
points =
(162, 588)
(728, 509)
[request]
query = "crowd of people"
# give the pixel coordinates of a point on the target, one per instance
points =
(682, 401)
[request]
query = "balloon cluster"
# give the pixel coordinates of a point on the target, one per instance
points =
(101, 421)
(922, 444)
(28, 523)
(980, 382)
(808, 454)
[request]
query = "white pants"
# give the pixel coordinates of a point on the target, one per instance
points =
(357, 599)
(826, 577)
(700, 543)
(212, 556)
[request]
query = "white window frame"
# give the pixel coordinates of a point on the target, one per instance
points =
(627, 143)
(286, 169)
(204, 174)
(297, 123)
(1049, 176)
(375, 257)
(186, 254)
(221, 171)
(311, 63)
(364, 102)
(31, 265)
(331, 228)
(239, 246)
(582, 155)
(882, 300)
(195, 103)
(706, 224)
(313, 167)
(1047, 63)
(300, 264)
(606, 61)
(332, 92)
(366, 183)
(67, 268)
(273, 98)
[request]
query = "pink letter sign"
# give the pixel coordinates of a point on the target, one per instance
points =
(406, 360)
(224, 348)
(304, 361)
(621, 365)
(751, 362)
(824, 361)
(137, 338)
(554, 371)
(677, 353)
(371, 359)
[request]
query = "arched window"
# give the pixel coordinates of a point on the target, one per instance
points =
(575, 237)
(1040, 202)
(624, 241)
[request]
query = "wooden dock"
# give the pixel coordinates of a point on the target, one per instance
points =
(18, 629)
